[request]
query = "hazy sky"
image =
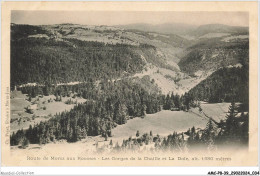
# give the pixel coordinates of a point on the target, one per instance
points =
(116, 18)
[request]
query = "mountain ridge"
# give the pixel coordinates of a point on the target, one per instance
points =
(186, 29)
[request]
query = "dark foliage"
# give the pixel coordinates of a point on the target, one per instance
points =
(224, 85)
(111, 104)
(213, 54)
(50, 61)
(177, 103)
(230, 132)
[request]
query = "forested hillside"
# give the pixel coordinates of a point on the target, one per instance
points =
(49, 61)
(213, 54)
(224, 85)
(114, 103)
(67, 53)
(120, 75)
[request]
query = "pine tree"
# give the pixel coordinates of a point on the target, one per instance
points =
(25, 143)
(143, 110)
(209, 134)
(244, 133)
(177, 102)
(231, 128)
(120, 113)
(151, 133)
(83, 133)
(137, 133)
(106, 137)
(111, 142)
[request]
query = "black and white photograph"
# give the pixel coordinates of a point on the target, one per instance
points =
(156, 85)
(118, 86)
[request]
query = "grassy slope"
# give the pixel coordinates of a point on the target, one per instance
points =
(162, 123)
(19, 103)
(217, 111)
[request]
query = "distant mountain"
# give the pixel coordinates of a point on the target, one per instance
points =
(167, 28)
(186, 29)
(218, 28)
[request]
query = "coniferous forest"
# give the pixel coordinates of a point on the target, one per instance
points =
(52, 62)
(105, 77)
(117, 102)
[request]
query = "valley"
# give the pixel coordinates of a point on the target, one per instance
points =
(84, 86)
(168, 54)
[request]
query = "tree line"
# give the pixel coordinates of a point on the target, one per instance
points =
(105, 108)
(113, 103)
(108, 104)
(232, 131)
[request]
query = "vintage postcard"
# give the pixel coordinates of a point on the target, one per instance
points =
(129, 84)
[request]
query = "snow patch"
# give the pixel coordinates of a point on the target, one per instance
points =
(70, 83)
(214, 55)
(143, 58)
(236, 66)
(28, 84)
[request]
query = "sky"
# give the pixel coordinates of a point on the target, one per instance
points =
(123, 17)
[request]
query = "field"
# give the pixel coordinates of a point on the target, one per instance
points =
(217, 111)
(166, 122)
(46, 107)
(162, 123)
